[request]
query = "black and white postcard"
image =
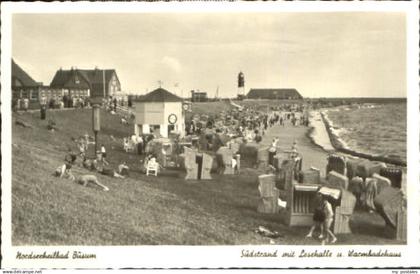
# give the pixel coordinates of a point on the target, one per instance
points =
(210, 134)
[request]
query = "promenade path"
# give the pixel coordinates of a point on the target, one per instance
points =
(313, 156)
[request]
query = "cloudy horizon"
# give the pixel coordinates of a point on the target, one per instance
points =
(359, 54)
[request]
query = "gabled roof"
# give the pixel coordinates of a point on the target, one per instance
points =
(19, 74)
(66, 79)
(91, 76)
(274, 93)
(199, 93)
(159, 95)
(96, 76)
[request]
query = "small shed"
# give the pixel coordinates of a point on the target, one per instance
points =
(159, 112)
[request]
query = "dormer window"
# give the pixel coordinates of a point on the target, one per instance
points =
(76, 80)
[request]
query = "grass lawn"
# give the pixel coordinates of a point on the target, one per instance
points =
(138, 210)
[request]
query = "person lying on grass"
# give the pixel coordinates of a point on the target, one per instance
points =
(87, 179)
(110, 172)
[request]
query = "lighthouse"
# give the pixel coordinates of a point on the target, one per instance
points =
(241, 85)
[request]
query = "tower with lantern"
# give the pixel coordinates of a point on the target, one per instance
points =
(241, 85)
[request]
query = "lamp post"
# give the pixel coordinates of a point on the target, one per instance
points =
(96, 124)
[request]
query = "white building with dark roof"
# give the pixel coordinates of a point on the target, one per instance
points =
(159, 112)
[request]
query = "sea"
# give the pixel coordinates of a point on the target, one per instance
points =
(376, 129)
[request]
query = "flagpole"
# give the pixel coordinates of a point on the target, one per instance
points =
(103, 78)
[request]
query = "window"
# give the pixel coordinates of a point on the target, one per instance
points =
(16, 94)
(34, 94)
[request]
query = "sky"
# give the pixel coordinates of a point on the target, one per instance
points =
(359, 54)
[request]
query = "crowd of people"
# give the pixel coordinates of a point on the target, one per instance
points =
(112, 103)
(20, 104)
(55, 102)
(250, 125)
(67, 101)
(98, 164)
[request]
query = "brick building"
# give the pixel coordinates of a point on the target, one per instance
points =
(87, 83)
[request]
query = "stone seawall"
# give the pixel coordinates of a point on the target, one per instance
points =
(317, 132)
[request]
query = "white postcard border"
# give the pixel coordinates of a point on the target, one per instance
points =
(214, 256)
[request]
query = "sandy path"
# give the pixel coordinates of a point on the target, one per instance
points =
(312, 154)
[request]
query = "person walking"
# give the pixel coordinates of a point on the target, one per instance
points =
(66, 100)
(294, 151)
(272, 151)
(18, 104)
(329, 218)
(115, 104)
(318, 217)
(140, 144)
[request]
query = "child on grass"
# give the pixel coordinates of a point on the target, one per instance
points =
(64, 171)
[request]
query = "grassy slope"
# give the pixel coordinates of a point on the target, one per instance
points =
(138, 210)
(209, 108)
